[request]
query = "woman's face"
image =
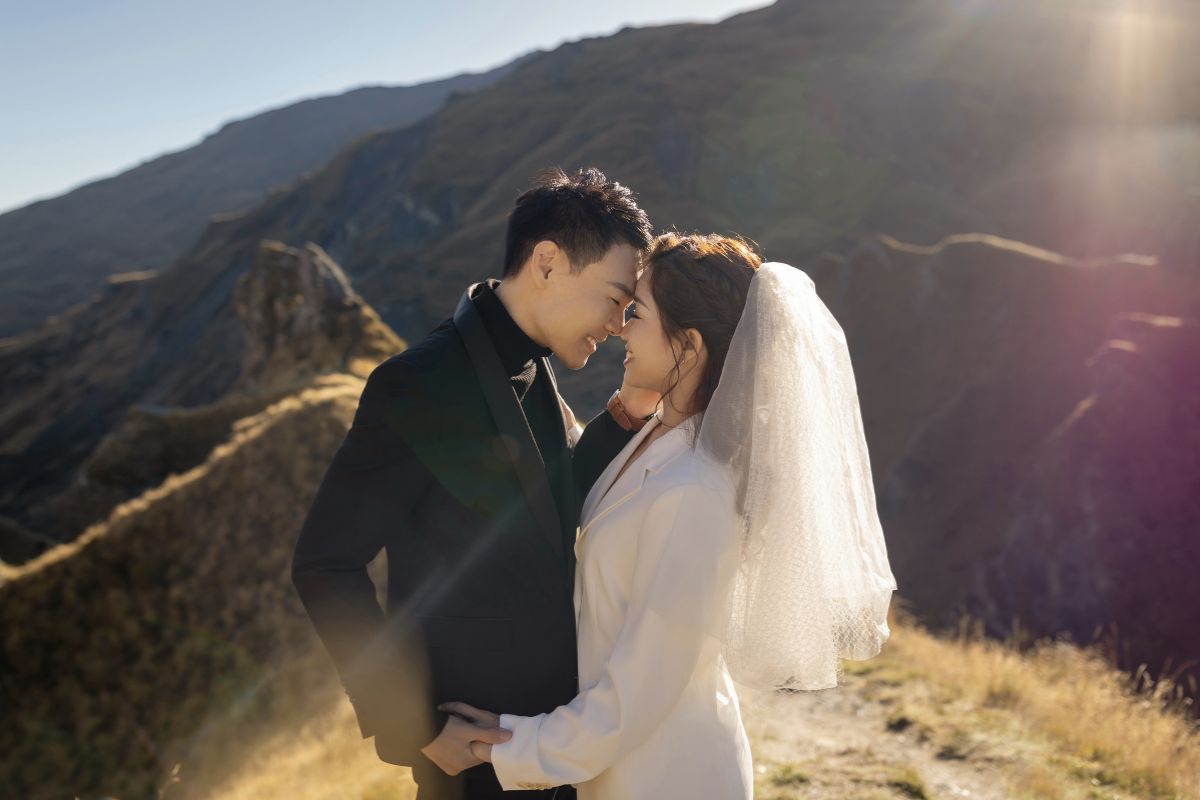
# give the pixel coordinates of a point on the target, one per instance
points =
(649, 360)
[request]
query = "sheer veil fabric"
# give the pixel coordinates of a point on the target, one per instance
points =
(813, 583)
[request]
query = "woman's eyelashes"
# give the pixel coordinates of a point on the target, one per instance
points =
(630, 310)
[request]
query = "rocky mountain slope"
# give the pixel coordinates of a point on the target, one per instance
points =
(1103, 528)
(164, 653)
(57, 252)
(850, 139)
(297, 316)
(803, 125)
(1030, 459)
(179, 602)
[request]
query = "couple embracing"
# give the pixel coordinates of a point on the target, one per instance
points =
(570, 607)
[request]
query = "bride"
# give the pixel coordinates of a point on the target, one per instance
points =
(734, 539)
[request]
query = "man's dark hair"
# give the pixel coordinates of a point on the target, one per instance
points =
(585, 214)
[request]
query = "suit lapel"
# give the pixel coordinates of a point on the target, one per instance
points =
(571, 427)
(570, 435)
(510, 420)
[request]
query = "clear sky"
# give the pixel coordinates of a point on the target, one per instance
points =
(93, 87)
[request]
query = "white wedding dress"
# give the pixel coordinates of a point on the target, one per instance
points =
(657, 716)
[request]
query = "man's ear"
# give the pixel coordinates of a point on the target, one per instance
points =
(545, 258)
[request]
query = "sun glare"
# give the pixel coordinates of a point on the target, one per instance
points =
(1131, 52)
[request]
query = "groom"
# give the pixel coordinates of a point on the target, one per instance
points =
(459, 462)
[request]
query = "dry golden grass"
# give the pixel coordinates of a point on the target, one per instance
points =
(1105, 726)
(1052, 723)
(322, 759)
(118, 646)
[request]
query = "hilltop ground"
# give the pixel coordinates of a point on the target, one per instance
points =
(929, 718)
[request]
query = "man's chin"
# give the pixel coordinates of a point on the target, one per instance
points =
(572, 361)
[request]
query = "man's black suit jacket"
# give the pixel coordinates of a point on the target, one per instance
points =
(439, 466)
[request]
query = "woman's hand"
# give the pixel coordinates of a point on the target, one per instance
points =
(640, 403)
(477, 716)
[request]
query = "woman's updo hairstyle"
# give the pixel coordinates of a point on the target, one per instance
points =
(701, 281)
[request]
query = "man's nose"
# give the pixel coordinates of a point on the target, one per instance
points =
(616, 322)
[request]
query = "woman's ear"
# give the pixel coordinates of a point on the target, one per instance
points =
(695, 341)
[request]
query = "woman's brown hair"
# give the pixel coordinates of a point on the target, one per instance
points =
(701, 281)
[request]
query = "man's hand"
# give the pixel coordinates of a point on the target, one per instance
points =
(476, 715)
(640, 403)
(481, 749)
(451, 750)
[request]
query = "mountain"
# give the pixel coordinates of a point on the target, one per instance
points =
(164, 653)
(55, 253)
(857, 141)
(179, 603)
(1103, 526)
(1028, 422)
(297, 316)
(117, 645)
(804, 125)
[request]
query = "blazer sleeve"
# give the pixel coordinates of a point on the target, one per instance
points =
(367, 494)
(683, 570)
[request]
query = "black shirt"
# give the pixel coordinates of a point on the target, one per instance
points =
(520, 355)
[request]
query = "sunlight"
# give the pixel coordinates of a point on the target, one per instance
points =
(1131, 52)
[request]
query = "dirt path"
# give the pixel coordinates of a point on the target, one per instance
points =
(838, 744)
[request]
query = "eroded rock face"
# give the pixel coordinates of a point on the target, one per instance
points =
(100, 431)
(300, 317)
(177, 606)
(1105, 528)
(968, 356)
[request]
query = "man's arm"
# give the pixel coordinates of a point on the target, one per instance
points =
(366, 496)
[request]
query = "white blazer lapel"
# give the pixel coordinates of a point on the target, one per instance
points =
(661, 452)
(600, 493)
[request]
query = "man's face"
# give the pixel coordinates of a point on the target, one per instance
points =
(578, 311)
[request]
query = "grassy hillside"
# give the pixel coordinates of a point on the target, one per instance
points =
(164, 653)
(930, 718)
(117, 646)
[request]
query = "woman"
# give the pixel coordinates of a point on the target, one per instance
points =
(734, 537)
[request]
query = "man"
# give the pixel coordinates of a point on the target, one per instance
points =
(458, 462)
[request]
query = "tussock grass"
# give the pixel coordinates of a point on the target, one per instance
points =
(1129, 732)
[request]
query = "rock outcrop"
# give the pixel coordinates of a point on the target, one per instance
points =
(177, 604)
(1103, 533)
(299, 318)
(119, 646)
